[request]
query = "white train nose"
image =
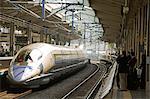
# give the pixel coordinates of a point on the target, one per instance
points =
(21, 73)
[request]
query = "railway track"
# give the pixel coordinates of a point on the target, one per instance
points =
(59, 89)
(85, 88)
(88, 87)
(14, 93)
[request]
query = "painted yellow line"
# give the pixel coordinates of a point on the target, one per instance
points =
(127, 95)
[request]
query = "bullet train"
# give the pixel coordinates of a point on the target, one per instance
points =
(34, 64)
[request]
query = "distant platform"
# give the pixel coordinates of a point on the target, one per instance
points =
(4, 62)
(3, 69)
(6, 58)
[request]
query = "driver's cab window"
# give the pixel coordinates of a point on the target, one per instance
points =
(22, 57)
(26, 57)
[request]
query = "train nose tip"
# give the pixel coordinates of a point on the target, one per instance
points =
(21, 73)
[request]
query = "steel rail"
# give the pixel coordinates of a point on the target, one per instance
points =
(89, 95)
(81, 83)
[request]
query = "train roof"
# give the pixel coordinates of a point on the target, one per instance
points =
(45, 45)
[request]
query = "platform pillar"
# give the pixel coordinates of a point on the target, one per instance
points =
(57, 39)
(50, 39)
(148, 46)
(12, 36)
(46, 36)
(41, 36)
(64, 41)
(29, 33)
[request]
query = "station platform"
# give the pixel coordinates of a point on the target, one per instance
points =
(3, 69)
(115, 93)
(4, 64)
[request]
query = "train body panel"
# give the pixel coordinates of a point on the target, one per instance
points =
(41, 58)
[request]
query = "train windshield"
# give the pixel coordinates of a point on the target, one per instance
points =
(27, 57)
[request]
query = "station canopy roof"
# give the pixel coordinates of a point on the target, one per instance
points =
(59, 16)
(77, 13)
(111, 13)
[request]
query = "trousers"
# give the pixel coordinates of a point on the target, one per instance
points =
(123, 81)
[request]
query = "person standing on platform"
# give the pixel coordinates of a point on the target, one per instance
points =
(123, 70)
(143, 67)
(117, 76)
(132, 62)
(133, 81)
(128, 56)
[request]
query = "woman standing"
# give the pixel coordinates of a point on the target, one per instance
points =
(123, 71)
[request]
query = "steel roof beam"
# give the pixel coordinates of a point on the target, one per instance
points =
(48, 2)
(28, 11)
(37, 16)
(8, 8)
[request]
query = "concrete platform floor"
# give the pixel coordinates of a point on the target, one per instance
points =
(130, 94)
